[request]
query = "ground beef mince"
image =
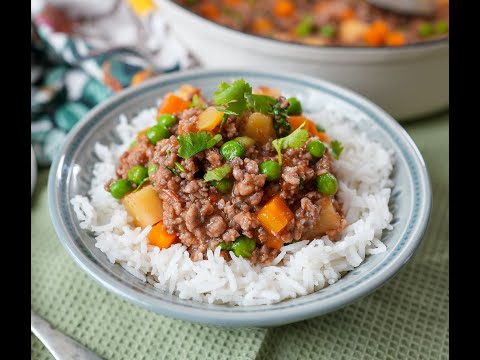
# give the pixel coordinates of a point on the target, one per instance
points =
(206, 214)
(326, 22)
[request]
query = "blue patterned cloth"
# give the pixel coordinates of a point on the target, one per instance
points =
(79, 57)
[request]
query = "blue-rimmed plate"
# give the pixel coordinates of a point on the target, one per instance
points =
(410, 204)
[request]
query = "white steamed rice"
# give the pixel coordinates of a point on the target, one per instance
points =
(363, 172)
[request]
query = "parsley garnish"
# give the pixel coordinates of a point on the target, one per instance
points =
(232, 97)
(218, 173)
(193, 143)
(320, 128)
(280, 116)
(260, 103)
(336, 148)
(140, 185)
(179, 166)
(196, 102)
(172, 169)
(292, 141)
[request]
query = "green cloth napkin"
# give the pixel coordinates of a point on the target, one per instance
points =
(405, 319)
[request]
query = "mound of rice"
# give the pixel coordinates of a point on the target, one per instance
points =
(363, 172)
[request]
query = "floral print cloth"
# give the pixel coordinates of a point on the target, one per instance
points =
(83, 52)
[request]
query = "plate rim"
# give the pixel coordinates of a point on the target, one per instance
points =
(34, 170)
(273, 316)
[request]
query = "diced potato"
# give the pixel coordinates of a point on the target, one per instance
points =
(328, 220)
(144, 206)
(260, 127)
(352, 30)
(247, 142)
(187, 91)
(209, 119)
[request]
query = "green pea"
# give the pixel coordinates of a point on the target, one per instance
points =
(232, 149)
(136, 174)
(295, 107)
(151, 169)
(120, 188)
(224, 186)
(425, 29)
(224, 246)
(166, 120)
(157, 133)
(271, 168)
(328, 31)
(316, 148)
(441, 27)
(327, 184)
(244, 246)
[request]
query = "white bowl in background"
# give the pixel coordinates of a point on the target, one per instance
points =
(408, 82)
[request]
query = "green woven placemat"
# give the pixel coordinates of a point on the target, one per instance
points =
(405, 319)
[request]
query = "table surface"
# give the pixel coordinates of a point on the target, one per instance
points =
(405, 319)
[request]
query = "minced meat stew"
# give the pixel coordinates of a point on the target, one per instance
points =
(325, 22)
(245, 171)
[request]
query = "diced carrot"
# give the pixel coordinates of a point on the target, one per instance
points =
(395, 38)
(284, 8)
(209, 119)
(159, 236)
(376, 33)
(265, 90)
(231, 2)
(262, 25)
(323, 137)
(209, 10)
(275, 215)
(296, 121)
(347, 14)
(172, 104)
(143, 132)
(274, 242)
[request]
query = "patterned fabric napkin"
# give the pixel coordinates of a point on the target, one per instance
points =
(84, 51)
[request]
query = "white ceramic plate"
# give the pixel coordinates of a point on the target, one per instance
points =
(410, 204)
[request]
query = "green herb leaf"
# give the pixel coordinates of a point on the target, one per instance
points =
(280, 117)
(293, 141)
(336, 147)
(218, 173)
(232, 96)
(172, 169)
(224, 119)
(225, 111)
(260, 103)
(195, 101)
(320, 128)
(140, 185)
(305, 27)
(179, 166)
(193, 143)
